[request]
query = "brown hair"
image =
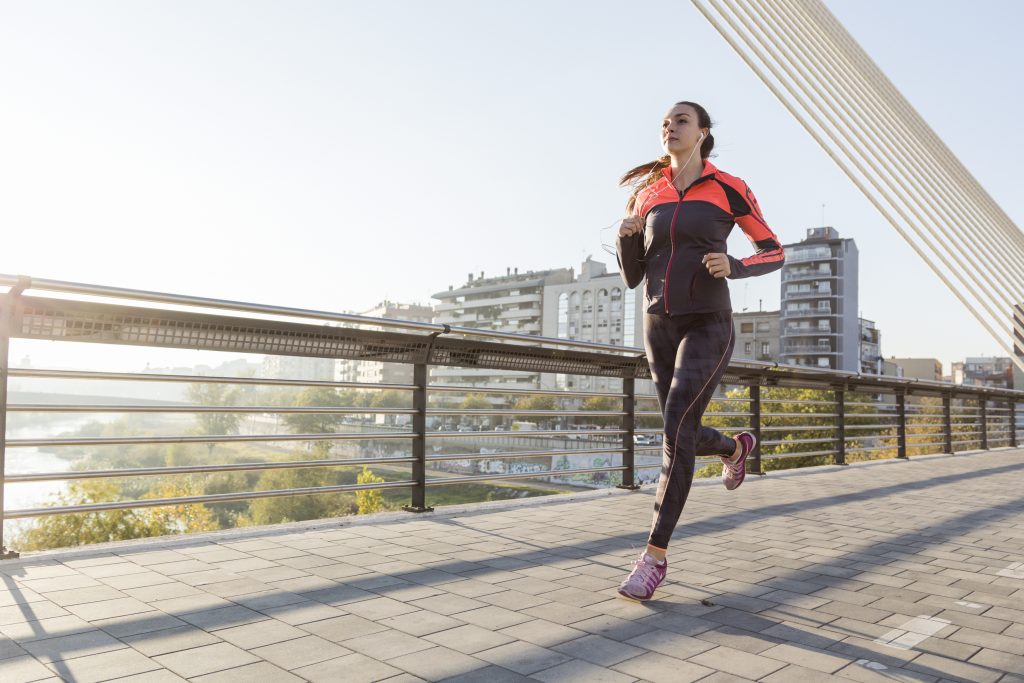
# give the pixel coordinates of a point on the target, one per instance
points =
(646, 174)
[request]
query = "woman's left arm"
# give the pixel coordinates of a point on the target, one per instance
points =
(769, 256)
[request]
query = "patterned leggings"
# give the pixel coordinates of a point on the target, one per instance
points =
(688, 355)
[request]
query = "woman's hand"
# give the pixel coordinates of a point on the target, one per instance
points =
(631, 226)
(717, 265)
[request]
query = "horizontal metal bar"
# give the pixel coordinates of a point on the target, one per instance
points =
(195, 500)
(193, 469)
(520, 454)
(810, 403)
(884, 426)
(538, 392)
(133, 440)
(546, 473)
(102, 408)
(529, 432)
(865, 449)
(195, 379)
(765, 414)
(855, 414)
(787, 441)
(289, 312)
(531, 413)
(778, 456)
(794, 428)
(727, 414)
(926, 445)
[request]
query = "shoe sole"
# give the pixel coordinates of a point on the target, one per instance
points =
(632, 598)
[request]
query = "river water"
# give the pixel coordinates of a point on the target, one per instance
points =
(31, 460)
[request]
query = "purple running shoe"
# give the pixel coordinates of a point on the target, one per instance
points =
(646, 576)
(733, 474)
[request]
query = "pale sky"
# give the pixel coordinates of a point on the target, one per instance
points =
(329, 155)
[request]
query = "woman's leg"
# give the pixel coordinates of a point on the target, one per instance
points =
(700, 361)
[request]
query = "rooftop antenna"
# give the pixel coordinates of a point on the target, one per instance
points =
(823, 215)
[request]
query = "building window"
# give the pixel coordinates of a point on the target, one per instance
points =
(764, 349)
(823, 363)
(563, 315)
(746, 347)
(746, 328)
(630, 311)
(764, 327)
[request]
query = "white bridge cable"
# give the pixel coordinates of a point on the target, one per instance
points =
(960, 181)
(896, 199)
(967, 182)
(985, 303)
(884, 174)
(943, 194)
(935, 201)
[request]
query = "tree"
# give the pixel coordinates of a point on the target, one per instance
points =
(316, 423)
(214, 424)
(370, 500)
(61, 531)
(603, 403)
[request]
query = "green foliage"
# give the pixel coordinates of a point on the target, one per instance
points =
(370, 500)
(215, 424)
(602, 403)
(537, 402)
(61, 531)
(475, 402)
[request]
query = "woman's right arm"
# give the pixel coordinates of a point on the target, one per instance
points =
(629, 249)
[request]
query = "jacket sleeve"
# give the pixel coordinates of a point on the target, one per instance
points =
(630, 253)
(769, 254)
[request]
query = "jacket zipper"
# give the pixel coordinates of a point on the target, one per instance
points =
(672, 253)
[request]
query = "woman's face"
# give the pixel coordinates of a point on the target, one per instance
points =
(680, 130)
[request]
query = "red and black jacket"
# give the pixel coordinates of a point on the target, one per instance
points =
(680, 228)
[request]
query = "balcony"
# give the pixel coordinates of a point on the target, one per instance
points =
(515, 587)
(811, 294)
(808, 313)
(791, 275)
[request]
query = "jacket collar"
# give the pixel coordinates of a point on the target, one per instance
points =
(708, 171)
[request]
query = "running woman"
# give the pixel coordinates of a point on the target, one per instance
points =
(674, 241)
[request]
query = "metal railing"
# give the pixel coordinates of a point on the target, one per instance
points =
(853, 420)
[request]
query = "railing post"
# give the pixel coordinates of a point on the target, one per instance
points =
(1013, 422)
(6, 315)
(841, 427)
(984, 422)
(755, 425)
(629, 429)
(419, 441)
(947, 421)
(901, 428)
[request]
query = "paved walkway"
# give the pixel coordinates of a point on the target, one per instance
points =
(908, 571)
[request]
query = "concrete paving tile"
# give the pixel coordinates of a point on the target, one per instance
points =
(340, 629)
(737, 662)
(470, 639)
(523, 658)
(598, 650)
(249, 636)
(23, 670)
(205, 659)
(438, 663)
(661, 668)
(577, 671)
(170, 640)
(421, 622)
(69, 647)
(260, 671)
(295, 654)
(103, 666)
